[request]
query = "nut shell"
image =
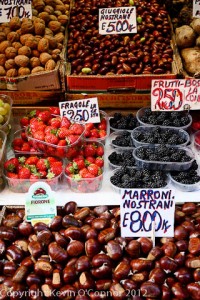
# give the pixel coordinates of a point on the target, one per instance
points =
(22, 60)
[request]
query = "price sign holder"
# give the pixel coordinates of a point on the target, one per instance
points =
(196, 8)
(40, 203)
(147, 212)
(175, 94)
(13, 8)
(84, 110)
(117, 20)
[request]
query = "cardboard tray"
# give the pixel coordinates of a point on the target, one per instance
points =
(8, 209)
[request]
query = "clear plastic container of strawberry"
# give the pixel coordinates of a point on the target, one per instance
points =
(55, 137)
(22, 171)
(84, 172)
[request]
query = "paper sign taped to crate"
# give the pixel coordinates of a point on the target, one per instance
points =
(40, 203)
(13, 8)
(117, 20)
(196, 8)
(84, 110)
(175, 94)
(140, 207)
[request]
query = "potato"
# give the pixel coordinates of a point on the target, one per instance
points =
(191, 60)
(195, 24)
(185, 36)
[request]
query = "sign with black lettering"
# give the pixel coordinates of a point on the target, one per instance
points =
(85, 110)
(118, 20)
(196, 8)
(145, 209)
(13, 8)
(40, 203)
(175, 94)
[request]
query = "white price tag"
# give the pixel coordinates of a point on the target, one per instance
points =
(13, 8)
(175, 94)
(196, 8)
(118, 20)
(147, 211)
(85, 110)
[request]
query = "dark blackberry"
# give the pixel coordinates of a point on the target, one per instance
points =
(123, 140)
(173, 140)
(125, 178)
(138, 174)
(196, 178)
(194, 165)
(174, 114)
(149, 151)
(147, 111)
(185, 120)
(117, 116)
(144, 119)
(175, 157)
(166, 123)
(153, 157)
(185, 158)
(165, 158)
(152, 120)
(114, 180)
(132, 172)
(181, 141)
(146, 172)
(176, 123)
(161, 149)
(181, 152)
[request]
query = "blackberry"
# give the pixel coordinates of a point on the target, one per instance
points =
(123, 140)
(185, 120)
(125, 178)
(146, 172)
(165, 158)
(196, 178)
(176, 123)
(185, 158)
(194, 165)
(144, 119)
(152, 120)
(147, 111)
(174, 114)
(153, 157)
(166, 123)
(173, 140)
(175, 157)
(132, 172)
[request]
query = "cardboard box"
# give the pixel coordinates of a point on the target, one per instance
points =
(111, 100)
(35, 97)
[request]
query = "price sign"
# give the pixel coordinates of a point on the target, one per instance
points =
(40, 203)
(175, 94)
(118, 20)
(143, 209)
(196, 8)
(85, 110)
(13, 8)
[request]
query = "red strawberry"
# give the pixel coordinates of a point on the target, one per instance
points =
(55, 122)
(102, 125)
(89, 160)
(23, 136)
(87, 133)
(44, 116)
(35, 176)
(43, 174)
(34, 113)
(50, 129)
(89, 150)
(88, 175)
(94, 169)
(25, 147)
(12, 175)
(99, 161)
(83, 172)
(39, 135)
(77, 128)
(52, 159)
(56, 168)
(17, 142)
(71, 152)
(89, 126)
(65, 122)
(51, 139)
(24, 121)
(69, 169)
(71, 139)
(42, 164)
(24, 173)
(78, 163)
(100, 151)
(11, 164)
(63, 132)
(102, 133)
(54, 110)
(94, 133)
(32, 160)
(16, 148)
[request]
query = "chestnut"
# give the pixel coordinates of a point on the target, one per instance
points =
(92, 247)
(75, 248)
(43, 268)
(57, 253)
(11, 220)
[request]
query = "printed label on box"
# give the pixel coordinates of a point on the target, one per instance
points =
(196, 8)
(117, 20)
(40, 203)
(84, 110)
(175, 94)
(13, 8)
(140, 207)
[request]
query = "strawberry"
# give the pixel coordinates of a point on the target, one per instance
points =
(24, 121)
(44, 116)
(99, 162)
(94, 169)
(87, 133)
(43, 174)
(34, 113)
(78, 163)
(24, 173)
(56, 168)
(100, 151)
(54, 110)
(63, 132)
(12, 175)
(55, 122)
(89, 150)
(89, 160)
(23, 136)
(35, 176)
(71, 139)
(31, 160)
(71, 152)
(88, 175)
(39, 135)
(25, 147)
(69, 169)
(17, 142)
(102, 133)
(42, 164)
(11, 164)
(94, 133)
(83, 172)
(89, 126)
(16, 148)
(52, 159)
(50, 129)
(51, 139)
(65, 122)
(61, 149)
(77, 128)
(102, 125)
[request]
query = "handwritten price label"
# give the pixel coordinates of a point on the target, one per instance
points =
(196, 8)
(12, 8)
(119, 20)
(141, 207)
(85, 110)
(176, 94)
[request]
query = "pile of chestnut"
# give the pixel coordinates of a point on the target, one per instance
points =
(80, 255)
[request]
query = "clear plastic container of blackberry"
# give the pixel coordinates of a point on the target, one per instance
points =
(187, 177)
(139, 178)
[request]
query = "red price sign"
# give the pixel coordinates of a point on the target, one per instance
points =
(176, 94)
